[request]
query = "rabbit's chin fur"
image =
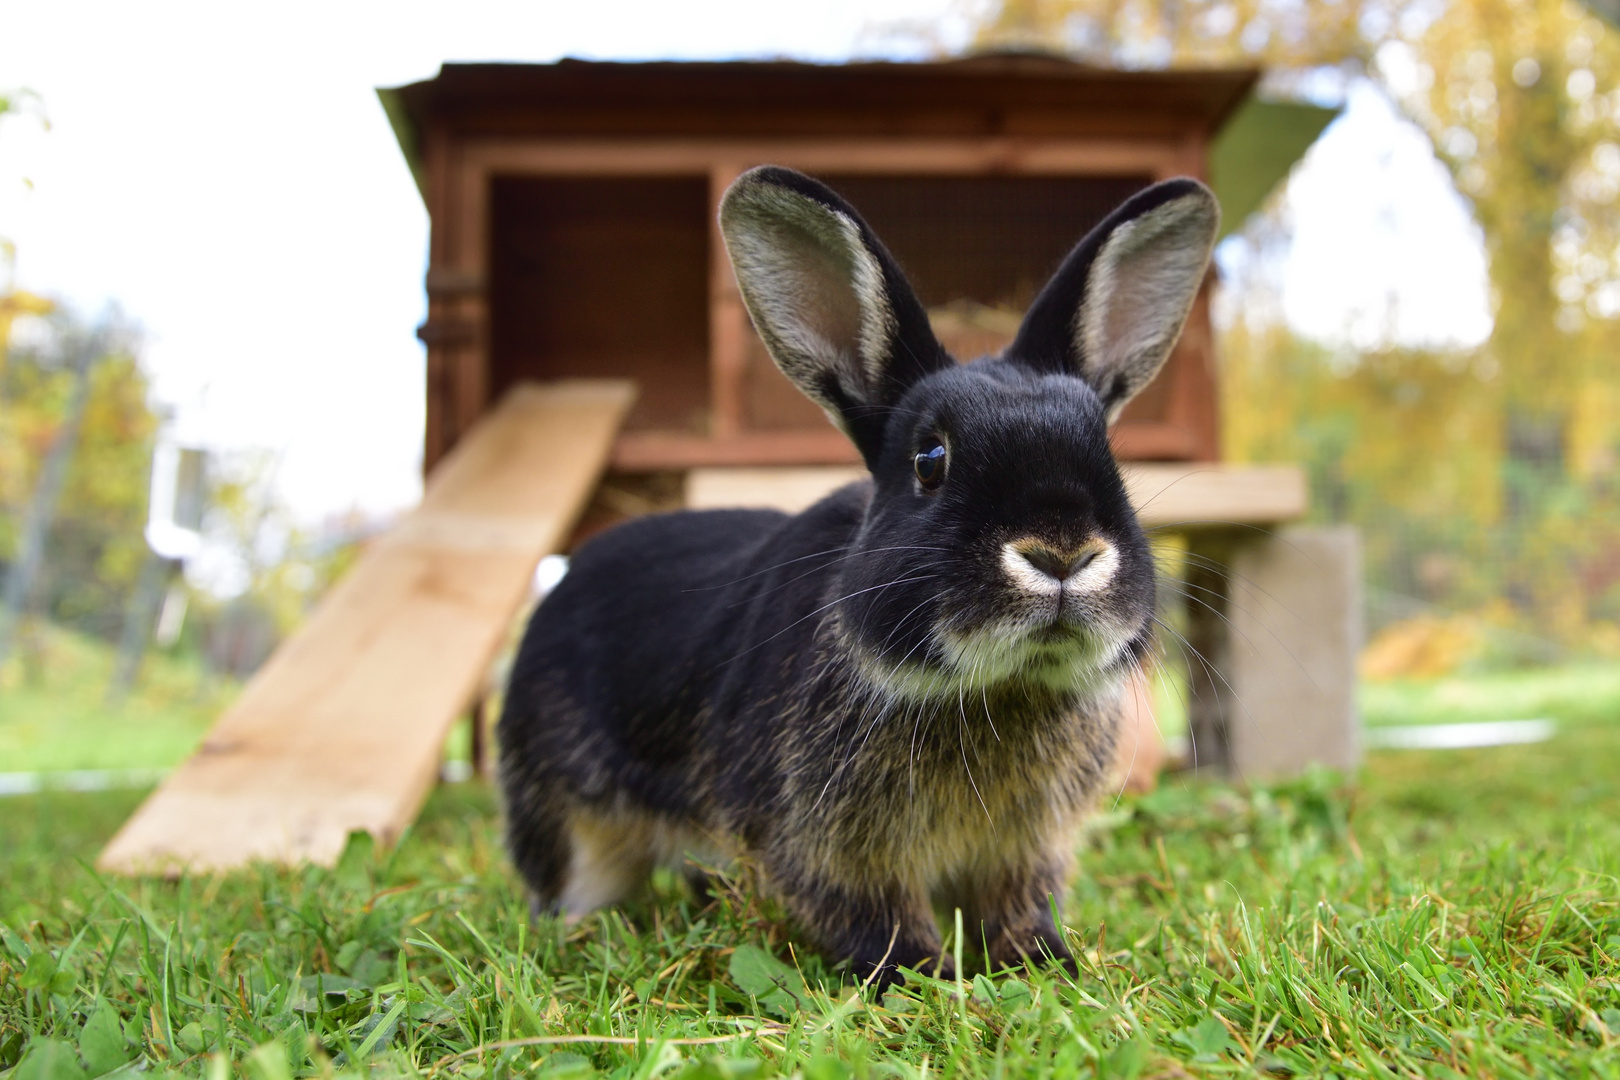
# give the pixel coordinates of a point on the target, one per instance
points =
(1022, 650)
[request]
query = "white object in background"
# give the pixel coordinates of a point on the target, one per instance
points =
(1458, 736)
(551, 570)
(174, 511)
(32, 783)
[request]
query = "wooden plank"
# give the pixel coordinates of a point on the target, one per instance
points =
(343, 728)
(1199, 495)
(1166, 496)
(790, 490)
(653, 451)
(1062, 155)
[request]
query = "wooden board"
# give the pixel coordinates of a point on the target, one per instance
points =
(1198, 495)
(343, 728)
(787, 489)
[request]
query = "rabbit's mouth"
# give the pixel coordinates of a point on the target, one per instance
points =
(1042, 615)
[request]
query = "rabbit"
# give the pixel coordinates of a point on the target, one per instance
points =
(907, 695)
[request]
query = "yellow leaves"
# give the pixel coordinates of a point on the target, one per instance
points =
(1424, 647)
(1196, 32)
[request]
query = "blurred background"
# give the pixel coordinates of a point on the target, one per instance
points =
(204, 214)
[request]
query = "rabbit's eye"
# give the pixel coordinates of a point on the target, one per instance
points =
(930, 464)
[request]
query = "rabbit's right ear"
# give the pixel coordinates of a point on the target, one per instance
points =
(828, 300)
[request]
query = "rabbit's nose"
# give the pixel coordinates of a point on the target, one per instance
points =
(1057, 564)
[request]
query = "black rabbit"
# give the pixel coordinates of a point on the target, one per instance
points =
(908, 694)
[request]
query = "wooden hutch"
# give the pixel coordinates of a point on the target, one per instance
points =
(573, 209)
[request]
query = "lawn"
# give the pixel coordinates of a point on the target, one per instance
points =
(1451, 913)
(55, 716)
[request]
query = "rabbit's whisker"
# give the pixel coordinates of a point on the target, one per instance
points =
(813, 571)
(1181, 590)
(901, 622)
(1209, 668)
(814, 555)
(837, 772)
(1136, 744)
(974, 784)
(819, 610)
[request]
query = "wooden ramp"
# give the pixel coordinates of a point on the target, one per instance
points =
(1189, 496)
(344, 727)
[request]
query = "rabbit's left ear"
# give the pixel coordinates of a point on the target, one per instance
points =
(1114, 309)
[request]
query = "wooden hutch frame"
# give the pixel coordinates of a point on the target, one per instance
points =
(990, 116)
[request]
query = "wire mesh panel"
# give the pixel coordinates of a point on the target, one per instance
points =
(604, 277)
(993, 240)
(977, 249)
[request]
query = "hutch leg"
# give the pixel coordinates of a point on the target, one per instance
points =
(1294, 605)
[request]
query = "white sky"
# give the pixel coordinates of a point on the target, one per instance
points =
(224, 173)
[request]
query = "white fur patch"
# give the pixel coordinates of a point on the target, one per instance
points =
(1096, 574)
(1026, 577)
(1139, 292)
(988, 656)
(612, 854)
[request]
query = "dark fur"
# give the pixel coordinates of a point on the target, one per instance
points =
(726, 680)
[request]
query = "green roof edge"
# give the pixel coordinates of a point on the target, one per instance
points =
(1256, 149)
(405, 133)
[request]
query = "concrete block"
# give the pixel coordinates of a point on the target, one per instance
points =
(1293, 607)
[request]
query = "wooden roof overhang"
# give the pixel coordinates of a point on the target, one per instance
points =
(985, 116)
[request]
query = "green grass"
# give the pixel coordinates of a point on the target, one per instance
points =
(1455, 914)
(54, 713)
(1450, 914)
(1577, 695)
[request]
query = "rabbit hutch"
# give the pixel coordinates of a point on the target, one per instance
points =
(589, 357)
(573, 208)
(574, 205)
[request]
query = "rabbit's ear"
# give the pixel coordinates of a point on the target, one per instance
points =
(828, 300)
(1114, 309)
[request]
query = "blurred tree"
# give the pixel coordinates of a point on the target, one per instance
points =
(94, 545)
(1164, 33)
(75, 442)
(1472, 475)
(265, 569)
(79, 353)
(1522, 100)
